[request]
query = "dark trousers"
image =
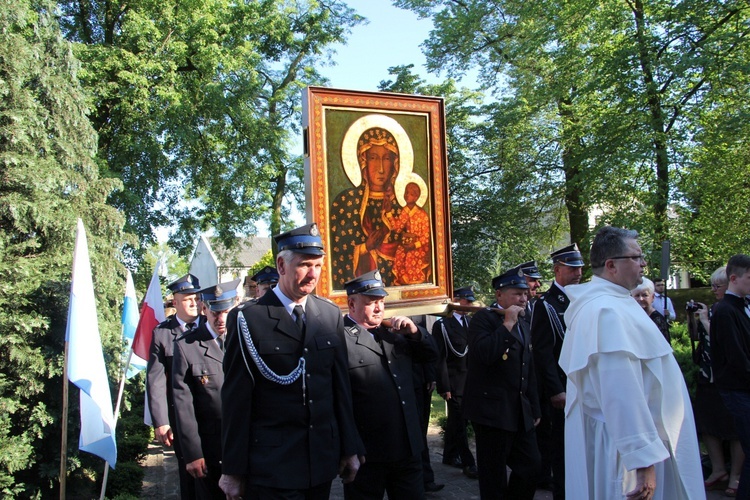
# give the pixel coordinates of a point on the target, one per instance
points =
(207, 488)
(456, 442)
(401, 479)
(738, 404)
(543, 438)
(187, 482)
(319, 492)
(424, 405)
(558, 453)
(498, 449)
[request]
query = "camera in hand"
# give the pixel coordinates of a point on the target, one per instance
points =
(692, 307)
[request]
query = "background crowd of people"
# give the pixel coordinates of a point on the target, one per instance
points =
(575, 389)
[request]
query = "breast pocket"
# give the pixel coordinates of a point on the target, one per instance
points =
(324, 342)
(326, 346)
(206, 375)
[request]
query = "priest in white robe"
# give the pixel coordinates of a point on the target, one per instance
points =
(629, 429)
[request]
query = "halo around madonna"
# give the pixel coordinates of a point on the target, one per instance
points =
(349, 147)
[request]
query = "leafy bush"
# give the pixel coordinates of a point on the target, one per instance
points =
(683, 353)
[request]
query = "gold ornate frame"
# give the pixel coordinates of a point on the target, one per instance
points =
(333, 120)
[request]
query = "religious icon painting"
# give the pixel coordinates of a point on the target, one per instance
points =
(377, 186)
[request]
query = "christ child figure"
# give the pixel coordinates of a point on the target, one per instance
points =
(412, 265)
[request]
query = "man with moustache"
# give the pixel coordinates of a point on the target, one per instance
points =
(384, 400)
(287, 422)
(197, 377)
(629, 429)
(500, 397)
(533, 280)
(159, 370)
(547, 334)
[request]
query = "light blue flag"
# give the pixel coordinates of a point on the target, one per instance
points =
(86, 367)
(130, 318)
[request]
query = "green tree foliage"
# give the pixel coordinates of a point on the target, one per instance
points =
(267, 260)
(196, 103)
(49, 179)
(488, 233)
(600, 104)
(713, 215)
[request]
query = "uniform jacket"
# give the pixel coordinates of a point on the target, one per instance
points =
(197, 377)
(278, 435)
(385, 406)
(547, 340)
(526, 318)
(159, 372)
(730, 344)
(451, 368)
(501, 386)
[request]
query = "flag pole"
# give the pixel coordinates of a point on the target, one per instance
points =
(117, 413)
(64, 443)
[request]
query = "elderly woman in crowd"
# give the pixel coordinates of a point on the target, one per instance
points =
(644, 295)
(715, 424)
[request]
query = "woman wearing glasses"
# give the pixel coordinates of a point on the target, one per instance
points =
(715, 424)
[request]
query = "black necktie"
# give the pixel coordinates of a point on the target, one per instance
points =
(220, 341)
(465, 322)
(298, 313)
(189, 326)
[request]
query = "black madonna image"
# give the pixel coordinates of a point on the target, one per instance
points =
(382, 221)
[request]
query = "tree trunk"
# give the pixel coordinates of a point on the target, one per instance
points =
(661, 198)
(578, 219)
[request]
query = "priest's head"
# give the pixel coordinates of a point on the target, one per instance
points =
(616, 256)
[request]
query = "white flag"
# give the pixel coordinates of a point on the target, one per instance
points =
(86, 367)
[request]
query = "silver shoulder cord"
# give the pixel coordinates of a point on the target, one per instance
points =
(450, 346)
(263, 368)
(554, 323)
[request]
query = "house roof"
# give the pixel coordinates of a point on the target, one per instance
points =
(248, 251)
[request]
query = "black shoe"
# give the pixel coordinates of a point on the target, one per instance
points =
(456, 462)
(471, 472)
(432, 487)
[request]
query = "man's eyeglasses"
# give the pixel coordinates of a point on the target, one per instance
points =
(637, 258)
(714, 286)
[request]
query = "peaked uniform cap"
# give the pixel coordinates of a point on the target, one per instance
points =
(466, 292)
(568, 255)
(266, 275)
(220, 297)
(530, 269)
(366, 284)
(512, 278)
(305, 239)
(185, 284)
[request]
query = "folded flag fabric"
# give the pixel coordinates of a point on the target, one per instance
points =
(130, 319)
(85, 363)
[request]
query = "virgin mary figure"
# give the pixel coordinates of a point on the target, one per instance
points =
(362, 235)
